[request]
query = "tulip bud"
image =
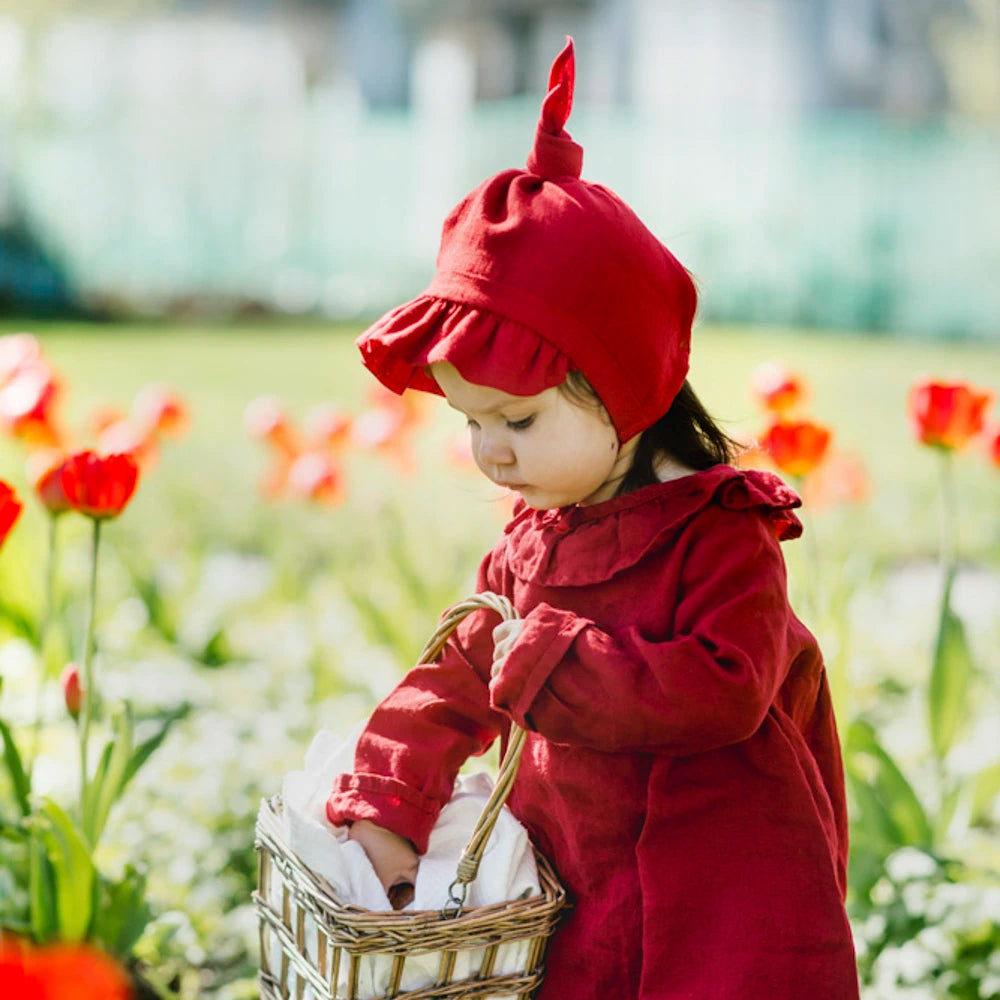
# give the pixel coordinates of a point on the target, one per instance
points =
(72, 689)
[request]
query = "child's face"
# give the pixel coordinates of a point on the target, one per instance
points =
(552, 451)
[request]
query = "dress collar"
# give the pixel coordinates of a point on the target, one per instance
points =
(581, 545)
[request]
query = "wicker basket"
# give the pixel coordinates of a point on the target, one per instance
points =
(314, 946)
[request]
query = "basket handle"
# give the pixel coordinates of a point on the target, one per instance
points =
(472, 854)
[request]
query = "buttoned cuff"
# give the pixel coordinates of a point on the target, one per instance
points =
(385, 802)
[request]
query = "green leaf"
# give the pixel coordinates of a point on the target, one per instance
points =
(873, 828)
(890, 798)
(92, 791)
(947, 694)
(122, 913)
(986, 788)
(41, 892)
(149, 746)
(74, 871)
(15, 767)
(110, 776)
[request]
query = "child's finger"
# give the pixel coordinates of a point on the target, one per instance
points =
(501, 632)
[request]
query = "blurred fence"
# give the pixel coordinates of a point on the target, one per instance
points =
(316, 204)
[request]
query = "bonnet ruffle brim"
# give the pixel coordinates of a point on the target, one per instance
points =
(485, 347)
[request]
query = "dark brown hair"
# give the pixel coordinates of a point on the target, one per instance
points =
(686, 433)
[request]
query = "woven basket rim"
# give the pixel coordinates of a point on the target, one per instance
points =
(552, 893)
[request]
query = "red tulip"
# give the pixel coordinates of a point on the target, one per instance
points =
(947, 414)
(315, 476)
(156, 410)
(796, 447)
(72, 690)
(45, 471)
(59, 972)
(777, 389)
(10, 509)
(99, 487)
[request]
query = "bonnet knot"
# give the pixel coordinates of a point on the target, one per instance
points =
(554, 153)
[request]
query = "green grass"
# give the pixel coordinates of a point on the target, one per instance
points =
(859, 387)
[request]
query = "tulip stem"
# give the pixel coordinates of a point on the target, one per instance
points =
(43, 632)
(949, 515)
(88, 643)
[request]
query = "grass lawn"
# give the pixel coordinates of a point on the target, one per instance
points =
(859, 387)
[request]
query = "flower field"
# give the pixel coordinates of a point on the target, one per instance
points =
(287, 540)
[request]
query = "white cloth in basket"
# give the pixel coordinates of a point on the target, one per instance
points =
(507, 871)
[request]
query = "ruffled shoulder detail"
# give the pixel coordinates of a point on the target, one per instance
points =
(484, 346)
(580, 546)
(755, 489)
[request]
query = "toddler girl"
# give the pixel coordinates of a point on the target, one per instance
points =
(682, 768)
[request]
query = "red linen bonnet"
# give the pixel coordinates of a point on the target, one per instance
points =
(540, 273)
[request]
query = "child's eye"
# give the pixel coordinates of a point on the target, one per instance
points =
(521, 425)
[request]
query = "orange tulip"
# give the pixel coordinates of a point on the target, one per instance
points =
(158, 411)
(796, 447)
(265, 419)
(99, 487)
(947, 414)
(72, 690)
(10, 510)
(27, 405)
(123, 437)
(777, 388)
(315, 476)
(59, 972)
(388, 431)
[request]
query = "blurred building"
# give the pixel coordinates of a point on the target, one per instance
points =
(814, 161)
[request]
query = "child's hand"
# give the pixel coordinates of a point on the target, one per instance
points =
(504, 637)
(393, 858)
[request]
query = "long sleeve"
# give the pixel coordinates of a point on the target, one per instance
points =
(417, 739)
(709, 684)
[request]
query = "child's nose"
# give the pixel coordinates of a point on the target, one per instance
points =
(494, 451)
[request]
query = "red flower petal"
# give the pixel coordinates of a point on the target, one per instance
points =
(99, 487)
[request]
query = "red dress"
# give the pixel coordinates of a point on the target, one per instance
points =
(682, 768)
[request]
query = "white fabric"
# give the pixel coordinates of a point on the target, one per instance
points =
(507, 870)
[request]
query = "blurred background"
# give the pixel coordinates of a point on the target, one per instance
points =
(201, 206)
(814, 162)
